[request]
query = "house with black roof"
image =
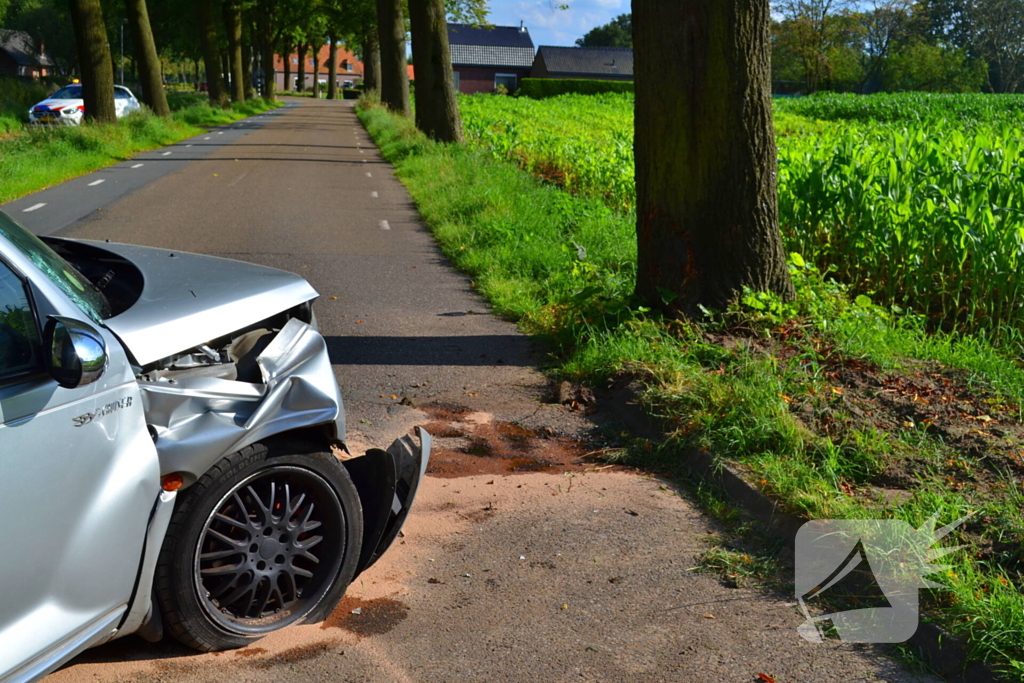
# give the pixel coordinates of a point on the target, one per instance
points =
(487, 59)
(598, 63)
(19, 56)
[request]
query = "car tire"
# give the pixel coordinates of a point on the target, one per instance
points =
(262, 541)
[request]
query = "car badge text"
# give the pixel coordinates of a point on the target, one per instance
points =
(112, 407)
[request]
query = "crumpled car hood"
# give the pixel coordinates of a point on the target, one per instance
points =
(189, 299)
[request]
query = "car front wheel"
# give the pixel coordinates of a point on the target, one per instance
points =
(260, 542)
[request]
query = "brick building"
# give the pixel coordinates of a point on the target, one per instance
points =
(19, 56)
(349, 68)
(485, 58)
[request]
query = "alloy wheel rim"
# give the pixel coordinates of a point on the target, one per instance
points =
(269, 550)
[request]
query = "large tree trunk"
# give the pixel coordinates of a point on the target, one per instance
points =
(211, 55)
(269, 76)
(316, 71)
(233, 29)
(149, 62)
(247, 59)
(332, 69)
(94, 58)
(437, 108)
(225, 71)
(302, 68)
(394, 72)
(707, 210)
(287, 68)
(371, 62)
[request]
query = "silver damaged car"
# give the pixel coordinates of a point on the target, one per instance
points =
(172, 453)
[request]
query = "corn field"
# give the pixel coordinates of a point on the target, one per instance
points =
(915, 199)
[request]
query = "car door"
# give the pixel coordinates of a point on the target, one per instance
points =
(78, 480)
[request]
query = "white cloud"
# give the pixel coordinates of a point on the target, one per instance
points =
(551, 26)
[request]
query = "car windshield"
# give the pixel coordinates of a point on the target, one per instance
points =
(70, 92)
(63, 274)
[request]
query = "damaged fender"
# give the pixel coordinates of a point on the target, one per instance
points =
(198, 420)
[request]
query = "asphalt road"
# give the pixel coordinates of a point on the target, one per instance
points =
(52, 210)
(522, 561)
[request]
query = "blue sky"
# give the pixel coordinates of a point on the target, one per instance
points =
(549, 26)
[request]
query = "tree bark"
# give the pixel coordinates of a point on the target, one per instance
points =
(394, 72)
(371, 62)
(316, 71)
(332, 69)
(287, 68)
(225, 72)
(247, 59)
(94, 59)
(145, 53)
(302, 68)
(211, 54)
(269, 77)
(437, 108)
(233, 30)
(707, 209)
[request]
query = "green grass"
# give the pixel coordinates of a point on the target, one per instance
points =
(16, 96)
(35, 158)
(769, 400)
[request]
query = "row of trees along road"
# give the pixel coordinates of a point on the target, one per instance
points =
(705, 151)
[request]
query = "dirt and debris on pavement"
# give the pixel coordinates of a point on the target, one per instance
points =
(468, 442)
(591, 581)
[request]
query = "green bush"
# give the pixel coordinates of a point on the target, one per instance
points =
(542, 88)
(16, 96)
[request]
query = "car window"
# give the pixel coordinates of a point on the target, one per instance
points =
(121, 94)
(61, 273)
(71, 92)
(19, 334)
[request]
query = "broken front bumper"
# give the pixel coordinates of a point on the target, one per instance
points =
(387, 482)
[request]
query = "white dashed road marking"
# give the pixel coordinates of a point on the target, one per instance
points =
(188, 145)
(384, 225)
(97, 182)
(207, 137)
(34, 207)
(165, 154)
(220, 132)
(138, 165)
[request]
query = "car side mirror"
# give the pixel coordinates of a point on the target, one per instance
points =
(74, 352)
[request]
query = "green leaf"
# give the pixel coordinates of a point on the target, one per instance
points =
(863, 301)
(797, 260)
(753, 301)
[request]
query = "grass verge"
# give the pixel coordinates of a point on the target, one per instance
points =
(835, 406)
(32, 159)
